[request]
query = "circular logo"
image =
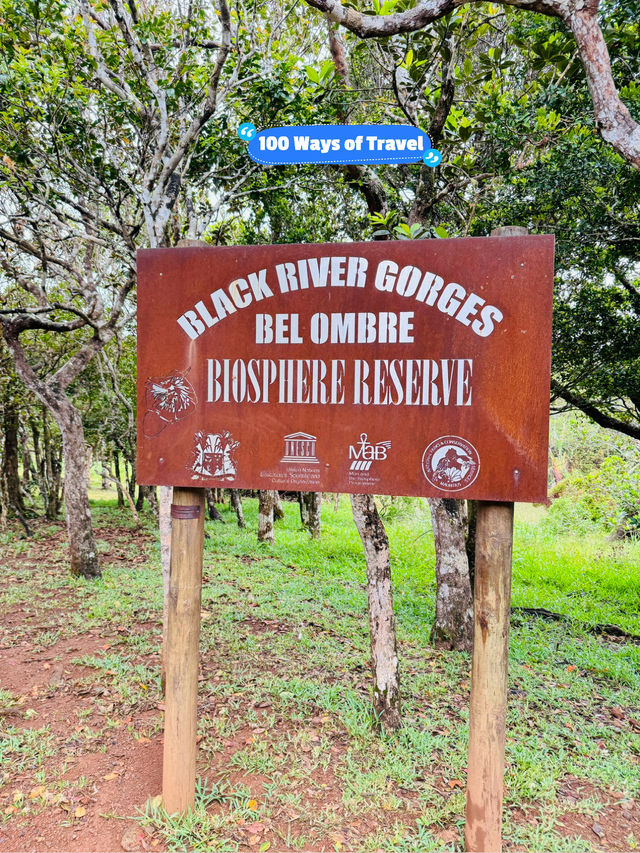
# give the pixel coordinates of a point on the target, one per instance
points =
(450, 463)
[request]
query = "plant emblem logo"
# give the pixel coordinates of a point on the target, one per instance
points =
(451, 463)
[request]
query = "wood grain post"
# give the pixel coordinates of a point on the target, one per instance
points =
(182, 652)
(488, 707)
(487, 712)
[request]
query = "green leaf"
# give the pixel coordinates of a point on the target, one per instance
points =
(312, 73)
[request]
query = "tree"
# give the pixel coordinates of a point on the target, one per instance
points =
(612, 117)
(100, 116)
(453, 624)
(554, 174)
(382, 630)
(265, 515)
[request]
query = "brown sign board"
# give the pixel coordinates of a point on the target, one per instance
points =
(407, 367)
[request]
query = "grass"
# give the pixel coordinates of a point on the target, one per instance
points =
(285, 730)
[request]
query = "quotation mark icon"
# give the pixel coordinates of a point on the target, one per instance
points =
(432, 157)
(247, 130)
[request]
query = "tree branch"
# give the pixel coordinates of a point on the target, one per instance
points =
(590, 409)
(613, 120)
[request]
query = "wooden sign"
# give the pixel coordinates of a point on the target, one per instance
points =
(408, 368)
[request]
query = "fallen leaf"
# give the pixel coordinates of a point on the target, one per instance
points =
(455, 783)
(571, 667)
(17, 795)
(110, 777)
(265, 846)
(618, 713)
(37, 792)
(252, 804)
(80, 811)
(155, 802)
(10, 810)
(448, 836)
(598, 830)
(131, 839)
(338, 839)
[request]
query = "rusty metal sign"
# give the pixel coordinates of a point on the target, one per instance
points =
(407, 368)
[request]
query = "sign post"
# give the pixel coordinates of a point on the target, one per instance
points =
(401, 368)
(487, 711)
(490, 664)
(182, 651)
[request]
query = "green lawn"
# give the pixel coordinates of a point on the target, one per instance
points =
(285, 652)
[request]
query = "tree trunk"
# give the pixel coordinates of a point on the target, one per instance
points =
(214, 512)
(313, 502)
(27, 463)
(265, 515)
(453, 625)
(88, 451)
(236, 503)
(130, 476)
(82, 548)
(52, 476)
(10, 462)
(4, 505)
(116, 468)
(470, 538)
(304, 511)
(382, 629)
(134, 509)
(152, 499)
(278, 512)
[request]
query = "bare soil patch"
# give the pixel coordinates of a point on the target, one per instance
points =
(101, 749)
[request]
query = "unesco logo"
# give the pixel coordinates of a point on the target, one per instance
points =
(450, 463)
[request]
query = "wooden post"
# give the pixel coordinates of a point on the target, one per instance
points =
(488, 707)
(487, 712)
(182, 651)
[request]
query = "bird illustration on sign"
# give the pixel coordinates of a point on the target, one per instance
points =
(451, 463)
(169, 399)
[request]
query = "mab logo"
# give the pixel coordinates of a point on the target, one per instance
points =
(364, 454)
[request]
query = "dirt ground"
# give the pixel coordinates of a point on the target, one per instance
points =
(105, 758)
